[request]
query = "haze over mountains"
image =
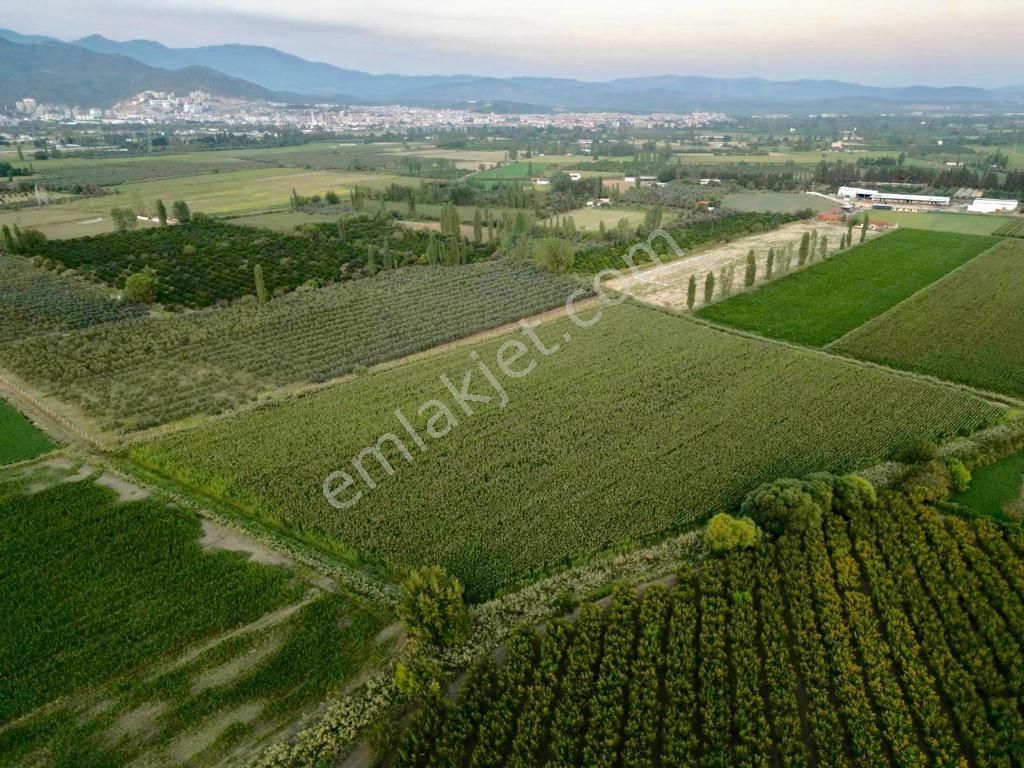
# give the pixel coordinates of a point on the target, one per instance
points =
(95, 71)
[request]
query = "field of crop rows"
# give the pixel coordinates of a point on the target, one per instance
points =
(206, 261)
(817, 306)
(876, 639)
(642, 424)
(35, 301)
(1012, 228)
(141, 373)
(966, 328)
(19, 438)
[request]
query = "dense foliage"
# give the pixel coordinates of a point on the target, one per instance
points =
(205, 261)
(570, 465)
(816, 306)
(93, 588)
(886, 634)
(34, 301)
(137, 374)
(967, 328)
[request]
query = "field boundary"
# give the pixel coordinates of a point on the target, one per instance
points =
(919, 292)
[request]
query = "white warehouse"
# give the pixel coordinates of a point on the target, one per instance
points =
(991, 205)
(890, 198)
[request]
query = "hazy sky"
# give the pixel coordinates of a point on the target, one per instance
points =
(897, 42)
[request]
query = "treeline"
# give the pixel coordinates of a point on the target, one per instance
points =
(892, 171)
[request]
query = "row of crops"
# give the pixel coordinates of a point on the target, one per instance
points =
(208, 261)
(93, 589)
(968, 328)
(35, 301)
(643, 424)
(886, 636)
(141, 373)
(817, 306)
(1012, 228)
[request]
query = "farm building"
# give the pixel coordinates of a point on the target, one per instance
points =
(991, 205)
(891, 198)
(831, 217)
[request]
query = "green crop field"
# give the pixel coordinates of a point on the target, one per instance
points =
(783, 202)
(178, 653)
(1011, 228)
(522, 170)
(642, 424)
(589, 219)
(819, 648)
(995, 487)
(138, 374)
(967, 328)
(19, 439)
(80, 576)
(818, 305)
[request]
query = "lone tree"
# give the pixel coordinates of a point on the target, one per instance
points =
(691, 292)
(750, 276)
(432, 607)
(123, 218)
(161, 212)
(709, 288)
(864, 229)
(181, 211)
(823, 248)
(770, 269)
(555, 254)
(478, 226)
(140, 288)
(10, 247)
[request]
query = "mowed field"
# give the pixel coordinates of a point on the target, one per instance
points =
(783, 202)
(819, 305)
(962, 223)
(228, 193)
(968, 327)
(20, 440)
(128, 636)
(591, 218)
(642, 424)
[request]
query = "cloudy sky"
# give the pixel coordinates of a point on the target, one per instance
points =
(894, 42)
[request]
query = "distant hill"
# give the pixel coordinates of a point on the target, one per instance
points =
(245, 68)
(67, 74)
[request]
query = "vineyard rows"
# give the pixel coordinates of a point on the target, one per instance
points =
(34, 301)
(138, 374)
(1012, 228)
(887, 636)
(967, 328)
(206, 261)
(640, 425)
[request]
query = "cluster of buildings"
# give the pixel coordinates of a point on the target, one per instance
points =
(887, 201)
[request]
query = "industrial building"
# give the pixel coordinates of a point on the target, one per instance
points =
(891, 198)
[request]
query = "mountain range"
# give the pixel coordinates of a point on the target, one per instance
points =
(96, 71)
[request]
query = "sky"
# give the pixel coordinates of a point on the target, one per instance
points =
(895, 42)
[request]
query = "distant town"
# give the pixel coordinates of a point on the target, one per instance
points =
(199, 107)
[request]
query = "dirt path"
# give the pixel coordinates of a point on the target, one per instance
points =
(667, 285)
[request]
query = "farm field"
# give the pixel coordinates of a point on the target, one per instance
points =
(521, 170)
(1014, 227)
(859, 642)
(510, 492)
(20, 440)
(966, 328)
(962, 223)
(66, 173)
(64, 220)
(36, 301)
(667, 285)
(139, 374)
(133, 638)
(589, 219)
(784, 202)
(995, 487)
(819, 305)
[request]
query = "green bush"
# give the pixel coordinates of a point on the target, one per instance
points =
(784, 505)
(432, 607)
(959, 475)
(726, 533)
(140, 288)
